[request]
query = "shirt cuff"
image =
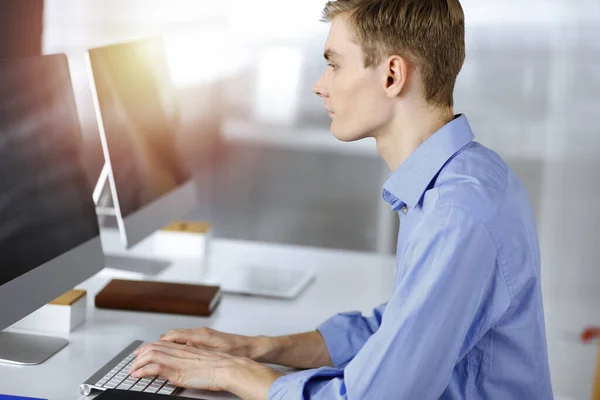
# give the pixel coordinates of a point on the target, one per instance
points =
(334, 331)
(293, 386)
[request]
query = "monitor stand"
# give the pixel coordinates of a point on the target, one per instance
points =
(116, 254)
(144, 266)
(102, 192)
(25, 349)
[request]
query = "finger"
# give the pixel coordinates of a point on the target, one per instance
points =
(178, 336)
(181, 352)
(178, 351)
(168, 357)
(154, 370)
(172, 350)
(206, 353)
(187, 351)
(169, 345)
(161, 343)
(140, 350)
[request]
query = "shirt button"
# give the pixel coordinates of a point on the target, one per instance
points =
(404, 210)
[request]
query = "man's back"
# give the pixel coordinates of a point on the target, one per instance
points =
(508, 356)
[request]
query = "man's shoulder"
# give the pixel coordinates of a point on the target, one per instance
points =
(476, 180)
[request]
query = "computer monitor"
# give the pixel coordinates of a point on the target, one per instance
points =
(49, 237)
(138, 122)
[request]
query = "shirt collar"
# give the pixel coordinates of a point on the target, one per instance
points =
(408, 183)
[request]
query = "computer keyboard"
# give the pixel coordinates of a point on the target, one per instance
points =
(115, 375)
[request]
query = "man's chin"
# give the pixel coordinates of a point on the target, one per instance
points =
(346, 135)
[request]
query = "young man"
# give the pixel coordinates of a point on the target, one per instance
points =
(465, 320)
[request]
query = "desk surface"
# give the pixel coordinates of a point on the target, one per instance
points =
(345, 281)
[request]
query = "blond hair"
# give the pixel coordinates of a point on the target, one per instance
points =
(428, 33)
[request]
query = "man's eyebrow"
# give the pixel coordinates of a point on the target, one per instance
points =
(330, 54)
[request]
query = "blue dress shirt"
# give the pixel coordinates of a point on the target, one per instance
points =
(466, 319)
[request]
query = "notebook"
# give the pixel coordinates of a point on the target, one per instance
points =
(159, 297)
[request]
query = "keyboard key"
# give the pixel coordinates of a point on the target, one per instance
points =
(136, 388)
(141, 385)
(131, 380)
(160, 380)
(151, 390)
(125, 386)
(111, 385)
(166, 391)
(117, 383)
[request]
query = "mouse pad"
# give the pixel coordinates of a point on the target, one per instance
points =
(112, 394)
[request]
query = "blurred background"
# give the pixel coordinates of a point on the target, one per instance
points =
(530, 87)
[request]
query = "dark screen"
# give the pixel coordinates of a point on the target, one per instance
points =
(46, 206)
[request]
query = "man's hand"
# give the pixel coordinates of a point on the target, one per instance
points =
(206, 338)
(190, 367)
(303, 350)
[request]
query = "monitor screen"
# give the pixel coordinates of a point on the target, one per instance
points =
(46, 207)
(140, 121)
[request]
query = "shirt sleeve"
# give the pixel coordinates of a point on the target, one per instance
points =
(450, 294)
(346, 333)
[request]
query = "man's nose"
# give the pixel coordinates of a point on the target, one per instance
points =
(318, 88)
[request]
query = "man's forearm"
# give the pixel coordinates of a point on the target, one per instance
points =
(303, 350)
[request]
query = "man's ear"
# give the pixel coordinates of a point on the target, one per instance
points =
(396, 69)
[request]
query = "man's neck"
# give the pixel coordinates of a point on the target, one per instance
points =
(407, 131)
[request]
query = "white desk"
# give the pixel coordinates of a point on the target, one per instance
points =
(345, 281)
